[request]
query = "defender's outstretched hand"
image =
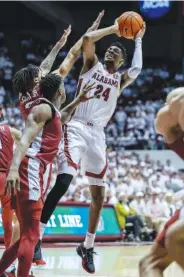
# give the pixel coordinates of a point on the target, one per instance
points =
(64, 37)
(83, 97)
(96, 23)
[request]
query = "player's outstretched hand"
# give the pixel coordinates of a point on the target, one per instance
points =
(12, 182)
(141, 33)
(83, 97)
(64, 37)
(96, 23)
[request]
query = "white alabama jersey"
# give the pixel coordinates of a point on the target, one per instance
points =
(107, 88)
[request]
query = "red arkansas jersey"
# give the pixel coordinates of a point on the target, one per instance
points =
(6, 148)
(178, 146)
(45, 146)
(26, 100)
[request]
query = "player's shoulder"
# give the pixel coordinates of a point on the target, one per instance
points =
(164, 111)
(4, 127)
(5, 130)
(40, 113)
(41, 106)
(86, 72)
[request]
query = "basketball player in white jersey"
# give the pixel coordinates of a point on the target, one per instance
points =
(84, 137)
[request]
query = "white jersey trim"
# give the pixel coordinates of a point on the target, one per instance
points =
(34, 179)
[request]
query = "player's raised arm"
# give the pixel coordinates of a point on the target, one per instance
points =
(88, 45)
(34, 123)
(82, 97)
(75, 51)
(16, 134)
(132, 73)
(47, 64)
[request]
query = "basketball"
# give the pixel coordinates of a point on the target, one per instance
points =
(130, 23)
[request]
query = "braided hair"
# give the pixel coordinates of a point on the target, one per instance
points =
(24, 78)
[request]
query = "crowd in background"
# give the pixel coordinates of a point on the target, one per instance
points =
(129, 174)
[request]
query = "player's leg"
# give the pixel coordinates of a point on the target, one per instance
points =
(16, 230)
(158, 259)
(94, 165)
(68, 158)
(29, 234)
(86, 249)
(23, 249)
(154, 264)
(61, 186)
(7, 219)
(174, 242)
(11, 270)
(7, 212)
(37, 258)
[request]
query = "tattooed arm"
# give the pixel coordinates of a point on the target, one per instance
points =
(47, 64)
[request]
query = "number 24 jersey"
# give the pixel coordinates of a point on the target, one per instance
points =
(107, 88)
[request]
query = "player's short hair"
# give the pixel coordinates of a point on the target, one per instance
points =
(50, 84)
(123, 50)
(24, 78)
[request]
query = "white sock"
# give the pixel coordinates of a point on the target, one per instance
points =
(89, 240)
(31, 271)
(42, 229)
(10, 268)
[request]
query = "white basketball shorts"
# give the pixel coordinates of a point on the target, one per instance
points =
(85, 144)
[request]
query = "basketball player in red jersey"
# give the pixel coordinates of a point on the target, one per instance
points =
(7, 137)
(37, 148)
(33, 74)
(27, 79)
(168, 246)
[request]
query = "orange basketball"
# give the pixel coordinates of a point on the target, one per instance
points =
(129, 24)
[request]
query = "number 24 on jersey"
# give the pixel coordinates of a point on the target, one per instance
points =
(99, 93)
